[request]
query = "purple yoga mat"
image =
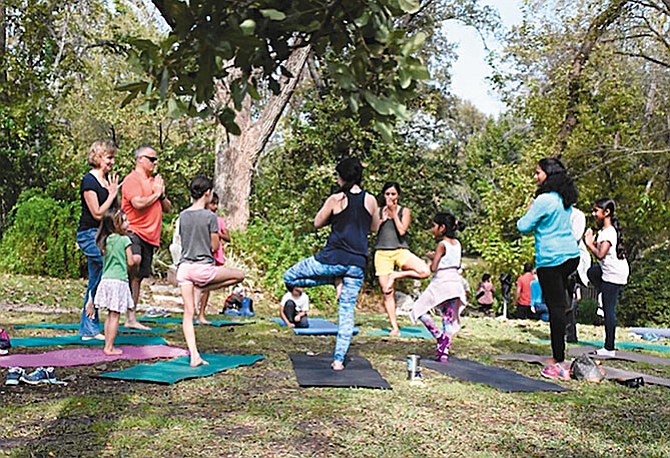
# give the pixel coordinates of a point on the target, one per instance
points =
(88, 356)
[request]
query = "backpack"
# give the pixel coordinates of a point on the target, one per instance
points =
(584, 368)
(5, 343)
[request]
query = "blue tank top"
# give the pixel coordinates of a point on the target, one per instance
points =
(348, 241)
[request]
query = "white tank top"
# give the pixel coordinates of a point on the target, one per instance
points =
(452, 256)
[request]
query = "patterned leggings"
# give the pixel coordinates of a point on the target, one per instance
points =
(310, 272)
(450, 326)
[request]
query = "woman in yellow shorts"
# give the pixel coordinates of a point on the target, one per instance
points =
(391, 250)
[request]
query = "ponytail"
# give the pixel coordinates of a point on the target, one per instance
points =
(450, 223)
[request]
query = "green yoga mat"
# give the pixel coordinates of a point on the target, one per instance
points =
(75, 327)
(413, 332)
(623, 345)
(76, 340)
(169, 320)
(169, 372)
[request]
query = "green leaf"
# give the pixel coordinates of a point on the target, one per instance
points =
(384, 130)
(133, 86)
(414, 43)
(165, 80)
(273, 15)
(410, 6)
(380, 105)
(248, 26)
(173, 108)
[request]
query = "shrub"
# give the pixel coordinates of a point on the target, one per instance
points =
(41, 239)
(644, 301)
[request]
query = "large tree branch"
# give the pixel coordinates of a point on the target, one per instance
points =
(597, 29)
(160, 6)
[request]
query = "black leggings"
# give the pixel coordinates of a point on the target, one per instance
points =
(291, 312)
(554, 283)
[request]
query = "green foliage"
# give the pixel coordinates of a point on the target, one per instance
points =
(42, 238)
(246, 47)
(289, 246)
(645, 299)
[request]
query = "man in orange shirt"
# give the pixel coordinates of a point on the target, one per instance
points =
(143, 201)
(523, 295)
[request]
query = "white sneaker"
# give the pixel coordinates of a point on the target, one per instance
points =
(605, 352)
(600, 311)
(96, 337)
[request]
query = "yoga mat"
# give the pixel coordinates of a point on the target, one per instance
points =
(626, 345)
(660, 332)
(621, 355)
(317, 327)
(88, 356)
(611, 373)
(496, 377)
(75, 327)
(411, 332)
(76, 340)
(315, 371)
(169, 372)
(217, 323)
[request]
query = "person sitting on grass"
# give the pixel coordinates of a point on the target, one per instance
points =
(294, 307)
(197, 271)
(114, 290)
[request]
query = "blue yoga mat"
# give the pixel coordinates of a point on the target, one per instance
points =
(624, 345)
(317, 327)
(76, 340)
(412, 332)
(75, 327)
(169, 372)
(660, 332)
(217, 323)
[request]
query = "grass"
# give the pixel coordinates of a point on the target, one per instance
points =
(260, 411)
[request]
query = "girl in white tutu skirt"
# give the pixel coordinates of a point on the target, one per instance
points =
(114, 291)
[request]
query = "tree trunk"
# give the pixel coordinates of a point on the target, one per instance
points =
(3, 51)
(597, 29)
(236, 156)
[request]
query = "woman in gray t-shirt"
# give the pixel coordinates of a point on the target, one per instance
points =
(391, 251)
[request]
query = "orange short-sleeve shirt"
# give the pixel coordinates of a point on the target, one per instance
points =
(146, 223)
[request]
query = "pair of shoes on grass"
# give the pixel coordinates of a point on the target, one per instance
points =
(38, 376)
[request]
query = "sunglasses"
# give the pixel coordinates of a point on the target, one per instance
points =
(151, 158)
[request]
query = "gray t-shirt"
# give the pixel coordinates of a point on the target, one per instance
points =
(195, 229)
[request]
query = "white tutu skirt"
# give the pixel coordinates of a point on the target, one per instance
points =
(114, 295)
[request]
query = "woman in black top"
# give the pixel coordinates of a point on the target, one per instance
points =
(98, 191)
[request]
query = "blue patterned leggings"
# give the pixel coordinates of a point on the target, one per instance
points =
(450, 326)
(310, 272)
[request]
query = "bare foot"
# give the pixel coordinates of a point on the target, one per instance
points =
(394, 332)
(113, 351)
(203, 321)
(198, 362)
(137, 325)
(337, 366)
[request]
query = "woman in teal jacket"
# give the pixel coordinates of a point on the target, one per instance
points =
(556, 251)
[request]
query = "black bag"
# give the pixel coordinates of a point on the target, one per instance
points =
(584, 368)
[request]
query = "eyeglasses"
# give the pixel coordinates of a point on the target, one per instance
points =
(151, 158)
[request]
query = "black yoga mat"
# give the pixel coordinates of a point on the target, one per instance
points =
(496, 377)
(315, 371)
(611, 373)
(622, 355)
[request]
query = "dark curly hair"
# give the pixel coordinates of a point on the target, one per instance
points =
(557, 181)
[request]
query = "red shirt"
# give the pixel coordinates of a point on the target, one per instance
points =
(146, 223)
(523, 286)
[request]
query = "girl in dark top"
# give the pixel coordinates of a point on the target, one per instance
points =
(391, 250)
(98, 191)
(352, 213)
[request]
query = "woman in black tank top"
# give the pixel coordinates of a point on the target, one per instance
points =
(391, 251)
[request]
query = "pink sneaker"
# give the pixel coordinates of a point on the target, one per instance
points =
(556, 371)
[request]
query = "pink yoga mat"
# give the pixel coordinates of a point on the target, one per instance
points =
(88, 356)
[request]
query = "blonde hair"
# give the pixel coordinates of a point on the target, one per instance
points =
(100, 149)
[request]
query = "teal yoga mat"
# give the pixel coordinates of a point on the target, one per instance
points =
(623, 345)
(169, 372)
(317, 327)
(76, 340)
(75, 327)
(412, 332)
(170, 320)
